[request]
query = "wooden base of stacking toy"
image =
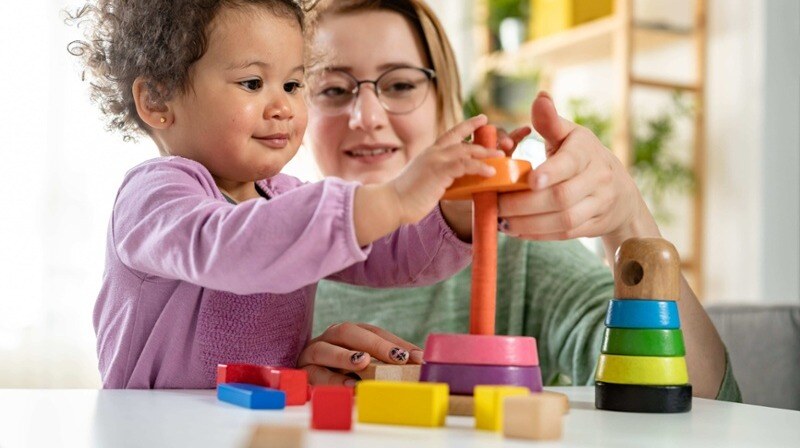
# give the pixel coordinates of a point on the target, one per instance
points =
(638, 398)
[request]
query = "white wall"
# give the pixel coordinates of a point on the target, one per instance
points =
(780, 105)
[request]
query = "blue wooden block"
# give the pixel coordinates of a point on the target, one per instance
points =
(251, 396)
(627, 313)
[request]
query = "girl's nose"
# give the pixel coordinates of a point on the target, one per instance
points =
(279, 109)
(367, 112)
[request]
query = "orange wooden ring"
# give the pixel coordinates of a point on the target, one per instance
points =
(511, 176)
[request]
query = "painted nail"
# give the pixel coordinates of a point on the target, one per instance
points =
(544, 93)
(350, 383)
(398, 354)
(357, 357)
(502, 224)
(417, 356)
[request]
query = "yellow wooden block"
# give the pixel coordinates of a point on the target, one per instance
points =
(489, 405)
(535, 416)
(644, 370)
(552, 16)
(402, 403)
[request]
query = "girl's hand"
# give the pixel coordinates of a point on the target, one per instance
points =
(423, 182)
(348, 347)
(581, 190)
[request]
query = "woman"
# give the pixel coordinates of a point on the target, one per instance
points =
(384, 85)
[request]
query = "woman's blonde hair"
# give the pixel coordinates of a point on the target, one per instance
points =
(437, 46)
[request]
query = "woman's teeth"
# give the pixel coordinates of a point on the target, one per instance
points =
(369, 152)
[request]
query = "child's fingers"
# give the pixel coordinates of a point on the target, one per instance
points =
(329, 355)
(389, 336)
(352, 335)
(318, 375)
(461, 131)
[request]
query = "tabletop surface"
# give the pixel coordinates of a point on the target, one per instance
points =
(174, 418)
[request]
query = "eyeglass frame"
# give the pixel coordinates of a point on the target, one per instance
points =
(430, 74)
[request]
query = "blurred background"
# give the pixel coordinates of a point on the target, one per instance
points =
(699, 98)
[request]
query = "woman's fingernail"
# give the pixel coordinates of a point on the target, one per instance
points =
(357, 357)
(543, 93)
(398, 354)
(350, 383)
(502, 224)
(417, 356)
(541, 182)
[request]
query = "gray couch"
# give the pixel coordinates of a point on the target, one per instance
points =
(764, 347)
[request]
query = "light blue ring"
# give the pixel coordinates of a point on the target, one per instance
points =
(634, 313)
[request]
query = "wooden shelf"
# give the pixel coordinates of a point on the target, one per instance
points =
(589, 42)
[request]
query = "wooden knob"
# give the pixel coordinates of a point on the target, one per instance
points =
(647, 268)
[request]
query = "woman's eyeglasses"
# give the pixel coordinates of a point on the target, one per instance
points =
(399, 90)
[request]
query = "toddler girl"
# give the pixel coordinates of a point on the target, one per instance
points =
(213, 256)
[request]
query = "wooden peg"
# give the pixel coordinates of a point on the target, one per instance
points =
(648, 269)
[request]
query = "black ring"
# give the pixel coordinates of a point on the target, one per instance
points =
(639, 398)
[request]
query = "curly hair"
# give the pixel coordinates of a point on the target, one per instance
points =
(155, 40)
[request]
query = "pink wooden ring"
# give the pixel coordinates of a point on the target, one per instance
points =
(481, 350)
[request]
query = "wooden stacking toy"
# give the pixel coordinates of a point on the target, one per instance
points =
(481, 358)
(642, 365)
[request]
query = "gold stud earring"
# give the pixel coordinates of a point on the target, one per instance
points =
(163, 120)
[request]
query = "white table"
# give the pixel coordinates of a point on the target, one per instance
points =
(192, 418)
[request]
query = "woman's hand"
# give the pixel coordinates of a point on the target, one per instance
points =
(347, 347)
(581, 190)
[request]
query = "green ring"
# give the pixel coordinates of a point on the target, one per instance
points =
(643, 342)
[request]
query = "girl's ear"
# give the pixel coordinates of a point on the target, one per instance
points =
(154, 112)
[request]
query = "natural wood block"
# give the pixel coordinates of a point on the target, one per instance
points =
(644, 370)
(647, 268)
(562, 398)
(489, 405)
(270, 436)
(377, 370)
(462, 405)
(402, 403)
(537, 416)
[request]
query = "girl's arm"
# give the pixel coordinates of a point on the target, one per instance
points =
(170, 222)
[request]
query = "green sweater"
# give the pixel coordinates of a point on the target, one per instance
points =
(557, 292)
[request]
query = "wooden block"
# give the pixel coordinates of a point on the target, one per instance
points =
(638, 398)
(243, 373)
(536, 416)
(562, 398)
(270, 436)
(332, 408)
(653, 314)
(462, 405)
(489, 405)
(292, 381)
(402, 403)
(645, 370)
(647, 268)
(463, 378)
(643, 342)
(377, 370)
(481, 349)
(251, 396)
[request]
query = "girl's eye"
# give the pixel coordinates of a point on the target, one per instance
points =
(252, 84)
(292, 86)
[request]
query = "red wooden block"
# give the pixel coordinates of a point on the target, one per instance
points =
(243, 373)
(292, 381)
(332, 407)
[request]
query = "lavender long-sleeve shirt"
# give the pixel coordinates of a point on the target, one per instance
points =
(192, 281)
